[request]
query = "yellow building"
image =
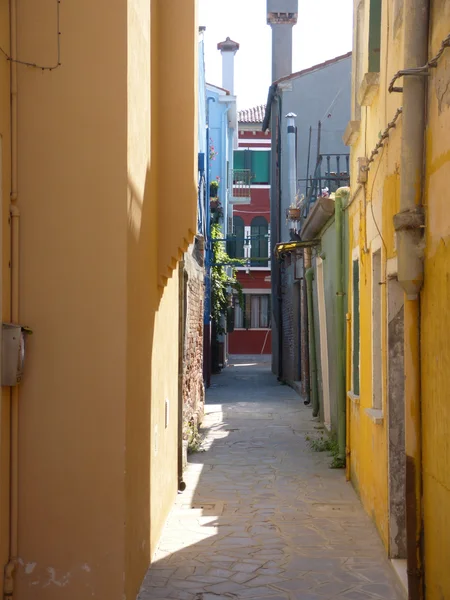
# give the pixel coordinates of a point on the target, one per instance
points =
(98, 189)
(398, 426)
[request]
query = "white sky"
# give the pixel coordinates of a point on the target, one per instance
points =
(323, 31)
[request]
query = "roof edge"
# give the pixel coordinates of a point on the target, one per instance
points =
(219, 88)
(322, 65)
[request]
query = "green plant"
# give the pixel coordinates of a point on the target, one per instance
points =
(213, 189)
(330, 445)
(222, 282)
(194, 438)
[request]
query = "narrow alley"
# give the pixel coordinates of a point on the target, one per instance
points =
(263, 516)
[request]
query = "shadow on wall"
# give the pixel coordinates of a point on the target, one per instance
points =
(144, 298)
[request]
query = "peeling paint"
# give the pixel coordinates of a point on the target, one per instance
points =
(62, 582)
(86, 568)
(29, 568)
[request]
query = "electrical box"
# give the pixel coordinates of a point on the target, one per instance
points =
(362, 169)
(13, 353)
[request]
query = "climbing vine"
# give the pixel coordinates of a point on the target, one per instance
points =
(221, 281)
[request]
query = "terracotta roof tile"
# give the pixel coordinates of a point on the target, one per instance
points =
(252, 115)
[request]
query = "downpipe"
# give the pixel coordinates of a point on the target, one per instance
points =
(409, 225)
(309, 276)
(339, 197)
(306, 383)
(10, 568)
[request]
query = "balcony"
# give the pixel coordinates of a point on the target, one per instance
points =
(241, 186)
(332, 172)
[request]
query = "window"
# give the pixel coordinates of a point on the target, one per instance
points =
(255, 314)
(355, 332)
(258, 162)
(236, 244)
(259, 242)
(374, 36)
(377, 383)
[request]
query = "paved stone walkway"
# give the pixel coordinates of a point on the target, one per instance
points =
(263, 516)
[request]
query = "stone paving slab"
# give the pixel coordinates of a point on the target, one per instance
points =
(264, 517)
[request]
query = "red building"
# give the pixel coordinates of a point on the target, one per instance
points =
(251, 228)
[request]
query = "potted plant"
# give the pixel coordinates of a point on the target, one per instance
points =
(214, 188)
(294, 210)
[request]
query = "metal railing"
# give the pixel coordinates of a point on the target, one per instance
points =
(332, 171)
(242, 179)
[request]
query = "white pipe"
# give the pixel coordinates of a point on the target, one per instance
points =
(292, 166)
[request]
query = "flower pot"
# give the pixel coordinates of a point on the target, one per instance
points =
(294, 214)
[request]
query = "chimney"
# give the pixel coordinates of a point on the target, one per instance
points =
(228, 49)
(281, 16)
(292, 158)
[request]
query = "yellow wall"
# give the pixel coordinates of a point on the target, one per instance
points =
(435, 322)
(5, 182)
(368, 441)
(372, 210)
(107, 196)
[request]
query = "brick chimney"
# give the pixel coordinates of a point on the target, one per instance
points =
(228, 49)
(281, 16)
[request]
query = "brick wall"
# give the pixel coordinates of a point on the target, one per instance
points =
(290, 319)
(193, 391)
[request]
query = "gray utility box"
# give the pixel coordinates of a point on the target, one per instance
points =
(13, 353)
(282, 6)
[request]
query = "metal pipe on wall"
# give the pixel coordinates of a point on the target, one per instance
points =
(8, 585)
(306, 384)
(409, 224)
(340, 195)
(348, 371)
(309, 276)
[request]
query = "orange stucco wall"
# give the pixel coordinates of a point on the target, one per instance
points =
(98, 285)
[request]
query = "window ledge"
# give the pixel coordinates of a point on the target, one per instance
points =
(375, 415)
(368, 88)
(353, 397)
(351, 133)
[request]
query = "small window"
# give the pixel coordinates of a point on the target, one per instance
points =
(257, 162)
(259, 242)
(355, 327)
(255, 314)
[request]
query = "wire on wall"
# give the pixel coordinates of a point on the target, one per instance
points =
(35, 65)
(384, 136)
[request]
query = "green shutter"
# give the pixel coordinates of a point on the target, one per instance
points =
(374, 36)
(238, 159)
(355, 360)
(260, 162)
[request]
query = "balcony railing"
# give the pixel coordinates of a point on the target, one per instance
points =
(332, 172)
(242, 179)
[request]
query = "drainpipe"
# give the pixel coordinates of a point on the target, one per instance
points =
(8, 584)
(409, 224)
(309, 276)
(306, 388)
(348, 371)
(340, 195)
(182, 300)
(207, 311)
